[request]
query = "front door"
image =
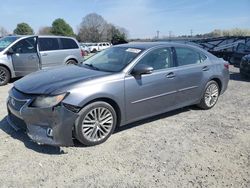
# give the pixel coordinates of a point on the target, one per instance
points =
(25, 58)
(153, 93)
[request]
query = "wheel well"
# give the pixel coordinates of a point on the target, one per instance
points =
(1, 65)
(218, 81)
(113, 104)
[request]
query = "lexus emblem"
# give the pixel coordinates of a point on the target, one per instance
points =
(12, 101)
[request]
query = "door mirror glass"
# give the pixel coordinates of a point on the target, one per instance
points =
(10, 51)
(142, 69)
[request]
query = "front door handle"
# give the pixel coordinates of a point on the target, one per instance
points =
(170, 75)
(205, 68)
(32, 57)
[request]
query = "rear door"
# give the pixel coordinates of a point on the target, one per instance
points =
(25, 58)
(49, 47)
(70, 50)
(191, 74)
(152, 93)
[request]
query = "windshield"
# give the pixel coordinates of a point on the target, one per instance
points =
(112, 59)
(6, 41)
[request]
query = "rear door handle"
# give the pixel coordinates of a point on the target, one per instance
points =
(170, 75)
(205, 68)
(44, 54)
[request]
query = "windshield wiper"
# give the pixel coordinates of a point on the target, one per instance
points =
(91, 66)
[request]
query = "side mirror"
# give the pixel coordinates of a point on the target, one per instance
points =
(142, 69)
(10, 51)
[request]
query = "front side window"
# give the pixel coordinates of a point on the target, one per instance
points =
(25, 46)
(158, 59)
(112, 59)
(68, 43)
(47, 44)
(187, 56)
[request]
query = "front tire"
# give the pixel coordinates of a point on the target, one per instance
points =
(4, 76)
(95, 124)
(210, 96)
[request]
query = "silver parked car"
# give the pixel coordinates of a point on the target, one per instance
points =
(21, 55)
(117, 86)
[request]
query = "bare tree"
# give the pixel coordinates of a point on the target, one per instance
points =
(95, 29)
(3, 31)
(92, 28)
(44, 31)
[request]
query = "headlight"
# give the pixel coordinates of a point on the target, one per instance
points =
(48, 101)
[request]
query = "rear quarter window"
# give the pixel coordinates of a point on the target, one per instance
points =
(68, 43)
(47, 44)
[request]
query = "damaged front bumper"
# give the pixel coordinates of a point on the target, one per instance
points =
(50, 126)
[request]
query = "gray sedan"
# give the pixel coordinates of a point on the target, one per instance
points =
(115, 87)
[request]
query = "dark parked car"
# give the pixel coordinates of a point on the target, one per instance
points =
(245, 66)
(115, 87)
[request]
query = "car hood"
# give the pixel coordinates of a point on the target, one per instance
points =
(51, 80)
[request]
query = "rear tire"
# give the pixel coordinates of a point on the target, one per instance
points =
(210, 96)
(71, 62)
(4, 76)
(95, 124)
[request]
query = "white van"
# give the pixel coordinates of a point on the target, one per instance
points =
(21, 55)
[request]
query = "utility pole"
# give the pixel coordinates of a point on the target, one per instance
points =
(169, 34)
(191, 32)
(157, 34)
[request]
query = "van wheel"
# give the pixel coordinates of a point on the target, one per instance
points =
(4, 76)
(71, 62)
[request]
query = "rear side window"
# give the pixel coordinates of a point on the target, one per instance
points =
(68, 43)
(47, 44)
(187, 56)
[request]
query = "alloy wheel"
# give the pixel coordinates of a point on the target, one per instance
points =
(97, 124)
(211, 95)
(3, 76)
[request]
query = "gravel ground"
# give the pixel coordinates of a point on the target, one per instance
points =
(184, 148)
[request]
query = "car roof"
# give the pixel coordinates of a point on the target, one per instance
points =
(147, 45)
(41, 36)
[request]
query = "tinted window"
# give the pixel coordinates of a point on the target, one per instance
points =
(158, 59)
(187, 56)
(47, 44)
(25, 46)
(68, 43)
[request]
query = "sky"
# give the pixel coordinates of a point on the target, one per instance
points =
(142, 18)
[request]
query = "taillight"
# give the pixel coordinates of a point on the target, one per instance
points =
(226, 66)
(82, 53)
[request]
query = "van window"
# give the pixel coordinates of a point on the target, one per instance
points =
(47, 44)
(68, 43)
(25, 46)
(6, 41)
